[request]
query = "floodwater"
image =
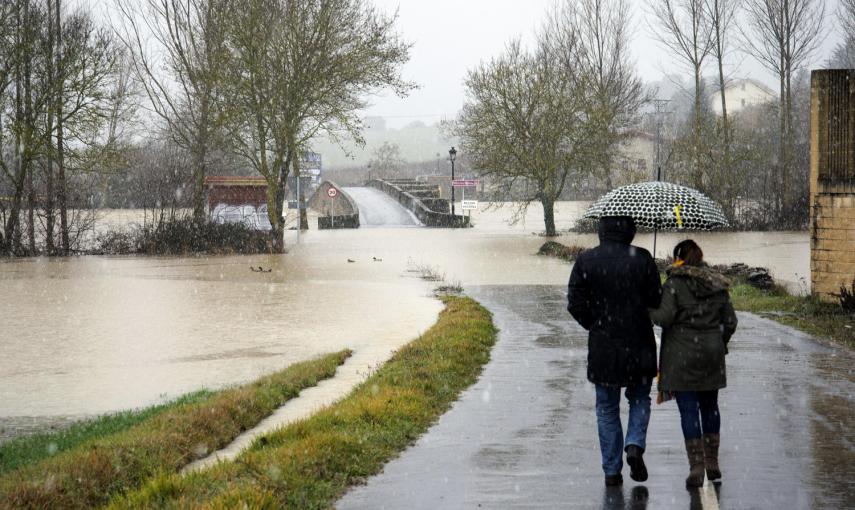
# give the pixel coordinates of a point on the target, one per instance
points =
(90, 335)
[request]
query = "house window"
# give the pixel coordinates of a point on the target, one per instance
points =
(743, 88)
(743, 102)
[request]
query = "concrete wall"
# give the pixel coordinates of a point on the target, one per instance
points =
(343, 207)
(429, 217)
(832, 185)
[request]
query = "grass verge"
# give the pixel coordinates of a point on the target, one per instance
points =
(806, 313)
(27, 450)
(93, 471)
(310, 464)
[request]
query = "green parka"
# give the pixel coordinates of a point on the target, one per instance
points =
(697, 322)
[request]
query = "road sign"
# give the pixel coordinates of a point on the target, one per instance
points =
(464, 183)
(469, 204)
(332, 192)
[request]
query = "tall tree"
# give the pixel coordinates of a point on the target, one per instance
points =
(302, 68)
(524, 121)
(782, 35)
(843, 55)
(190, 37)
(683, 27)
(617, 90)
(721, 15)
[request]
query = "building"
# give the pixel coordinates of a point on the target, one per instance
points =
(238, 199)
(742, 93)
(832, 181)
(637, 161)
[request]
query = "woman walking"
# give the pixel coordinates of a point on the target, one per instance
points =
(697, 322)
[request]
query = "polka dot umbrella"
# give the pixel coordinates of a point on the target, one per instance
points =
(660, 205)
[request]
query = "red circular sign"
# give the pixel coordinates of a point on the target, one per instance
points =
(332, 192)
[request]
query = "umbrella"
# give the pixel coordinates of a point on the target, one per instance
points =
(660, 205)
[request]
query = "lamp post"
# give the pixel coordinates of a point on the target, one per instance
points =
(452, 153)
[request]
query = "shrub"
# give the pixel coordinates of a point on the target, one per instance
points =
(569, 253)
(846, 298)
(183, 236)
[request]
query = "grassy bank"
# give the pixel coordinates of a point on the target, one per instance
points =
(311, 463)
(806, 313)
(96, 468)
(27, 450)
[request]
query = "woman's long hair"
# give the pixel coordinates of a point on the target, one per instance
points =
(689, 252)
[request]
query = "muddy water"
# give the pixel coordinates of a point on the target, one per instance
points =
(95, 334)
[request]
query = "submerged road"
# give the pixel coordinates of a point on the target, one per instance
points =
(524, 436)
(377, 209)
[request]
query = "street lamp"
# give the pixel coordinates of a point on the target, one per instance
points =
(452, 154)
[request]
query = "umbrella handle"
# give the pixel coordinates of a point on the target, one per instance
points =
(655, 231)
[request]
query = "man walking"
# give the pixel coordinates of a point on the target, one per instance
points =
(611, 287)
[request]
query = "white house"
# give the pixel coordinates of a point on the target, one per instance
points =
(741, 93)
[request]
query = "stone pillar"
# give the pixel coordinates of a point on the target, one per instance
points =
(832, 181)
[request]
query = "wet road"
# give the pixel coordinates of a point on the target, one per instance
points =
(524, 436)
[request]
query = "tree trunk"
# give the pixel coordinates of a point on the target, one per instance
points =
(274, 215)
(200, 155)
(782, 137)
(548, 215)
(49, 205)
(31, 206)
(62, 191)
(199, 183)
(301, 199)
(698, 173)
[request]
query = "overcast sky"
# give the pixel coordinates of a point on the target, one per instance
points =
(452, 36)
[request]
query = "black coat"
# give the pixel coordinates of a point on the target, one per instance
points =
(611, 287)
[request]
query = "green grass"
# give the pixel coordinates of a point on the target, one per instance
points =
(806, 313)
(30, 449)
(91, 472)
(310, 464)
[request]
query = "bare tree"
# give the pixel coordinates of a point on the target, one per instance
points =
(721, 15)
(782, 35)
(190, 36)
(524, 121)
(302, 68)
(617, 91)
(844, 53)
(684, 28)
(386, 161)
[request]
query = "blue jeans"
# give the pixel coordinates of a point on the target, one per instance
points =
(692, 403)
(609, 426)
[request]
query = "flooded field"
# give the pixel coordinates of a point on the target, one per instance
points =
(89, 335)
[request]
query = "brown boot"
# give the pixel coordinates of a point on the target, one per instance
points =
(711, 442)
(695, 451)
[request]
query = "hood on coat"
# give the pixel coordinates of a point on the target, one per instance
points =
(619, 229)
(701, 280)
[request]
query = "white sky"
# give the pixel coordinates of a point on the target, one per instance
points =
(452, 36)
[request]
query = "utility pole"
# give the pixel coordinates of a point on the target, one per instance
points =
(661, 106)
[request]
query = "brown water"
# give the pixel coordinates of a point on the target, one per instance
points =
(89, 335)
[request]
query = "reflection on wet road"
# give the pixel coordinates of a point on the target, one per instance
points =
(524, 436)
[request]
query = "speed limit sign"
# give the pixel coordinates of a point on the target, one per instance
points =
(332, 192)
